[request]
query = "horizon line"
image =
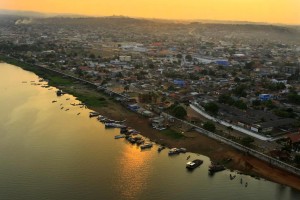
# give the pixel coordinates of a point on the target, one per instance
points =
(54, 14)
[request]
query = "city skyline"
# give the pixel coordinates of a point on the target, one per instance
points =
(270, 11)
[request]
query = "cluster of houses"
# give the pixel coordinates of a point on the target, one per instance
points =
(160, 67)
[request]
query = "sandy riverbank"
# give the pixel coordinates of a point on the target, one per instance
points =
(201, 144)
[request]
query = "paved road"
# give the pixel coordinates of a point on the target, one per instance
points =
(242, 130)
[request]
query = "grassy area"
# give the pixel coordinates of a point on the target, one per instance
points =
(58, 80)
(91, 99)
(172, 134)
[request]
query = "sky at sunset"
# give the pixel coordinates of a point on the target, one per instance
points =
(272, 11)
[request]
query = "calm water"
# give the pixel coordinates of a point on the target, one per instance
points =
(49, 153)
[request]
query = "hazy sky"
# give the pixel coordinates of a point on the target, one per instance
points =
(274, 11)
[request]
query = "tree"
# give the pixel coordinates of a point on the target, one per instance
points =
(247, 141)
(294, 98)
(250, 65)
(240, 105)
(210, 126)
(212, 108)
(92, 56)
(179, 112)
(79, 72)
(179, 56)
(297, 159)
(188, 58)
(229, 128)
(240, 91)
(126, 87)
(236, 79)
(256, 103)
(226, 99)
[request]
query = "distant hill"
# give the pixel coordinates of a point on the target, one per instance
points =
(32, 14)
(224, 30)
(22, 13)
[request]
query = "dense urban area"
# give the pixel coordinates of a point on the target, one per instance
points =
(240, 81)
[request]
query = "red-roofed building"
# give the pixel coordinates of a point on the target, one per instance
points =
(156, 44)
(294, 139)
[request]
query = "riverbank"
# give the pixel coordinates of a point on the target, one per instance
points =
(201, 144)
(193, 141)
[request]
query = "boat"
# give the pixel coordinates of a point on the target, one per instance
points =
(119, 136)
(124, 130)
(174, 151)
(232, 177)
(146, 146)
(94, 114)
(59, 92)
(193, 164)
(132, 131)
(139, 142)
(113, 125)
(102, 119)
(160, 148)
(182, 150)
(216, 168)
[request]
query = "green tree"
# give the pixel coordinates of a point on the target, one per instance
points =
(256, 103)
(212, 108)
(92, 56)
(250, 65)
(179, 56)
(247, 141)
(240, 91)
(294, 98)
(297, 159)
(126, 87)
(226, 99)
(210, 126)
(188, 58)
(179, 112)
(229, 128)
(240, 105)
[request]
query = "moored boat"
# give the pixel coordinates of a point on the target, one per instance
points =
(147, 145)
(94, 114)
(193, 164)
(174, 151)
(182, 150)
(119, 136)
(59, 92)
(160, 148)
(113, 125)
(216, 168)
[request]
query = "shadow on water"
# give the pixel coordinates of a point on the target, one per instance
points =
(294, 193)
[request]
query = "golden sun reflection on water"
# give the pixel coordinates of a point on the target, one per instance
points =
(134, 171)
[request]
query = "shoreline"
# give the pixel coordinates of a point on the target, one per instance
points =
(194, 142)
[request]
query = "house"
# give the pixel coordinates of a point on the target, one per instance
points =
(294, 140)
(265, 97)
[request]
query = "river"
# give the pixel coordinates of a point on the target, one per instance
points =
(49, 152)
